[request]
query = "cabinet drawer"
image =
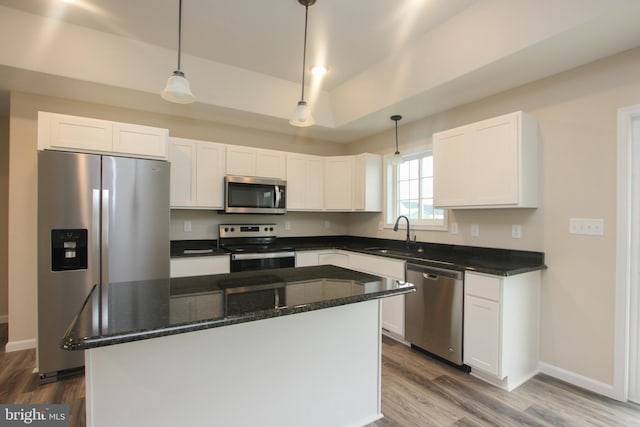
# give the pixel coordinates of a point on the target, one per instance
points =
(482, 286)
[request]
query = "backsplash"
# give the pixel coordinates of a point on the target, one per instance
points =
(204, 223)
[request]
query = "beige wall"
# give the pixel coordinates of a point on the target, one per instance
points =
(4, 201)
(576, 112)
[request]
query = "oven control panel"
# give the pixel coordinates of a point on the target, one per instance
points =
(226, 231)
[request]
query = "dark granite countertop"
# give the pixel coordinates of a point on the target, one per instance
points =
(499, 262)
(116, 313)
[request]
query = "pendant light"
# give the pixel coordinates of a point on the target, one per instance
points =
(397, 158)
(177, 89)
(302, 115)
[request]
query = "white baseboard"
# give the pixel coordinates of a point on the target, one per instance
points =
(579, 380)
(20, 345)
(4, 318)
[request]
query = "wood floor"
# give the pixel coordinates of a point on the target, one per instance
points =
(416, 391)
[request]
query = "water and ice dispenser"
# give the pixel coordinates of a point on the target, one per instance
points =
(69, 249)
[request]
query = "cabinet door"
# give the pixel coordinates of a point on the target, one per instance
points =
(306, 258)
(75, 133)
(367, 182)
(183, 172)
(338, 180)
(482, 334)
(199, 266)
(494, 150)
(210, 166)
(270, 164)
(451, 167)
(241, 161)
(143, 141)
(305, 181)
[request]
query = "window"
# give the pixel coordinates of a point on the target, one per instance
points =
(410, 192)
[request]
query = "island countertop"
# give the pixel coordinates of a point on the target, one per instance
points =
(117, 313)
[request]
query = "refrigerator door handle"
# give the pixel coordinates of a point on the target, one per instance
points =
(95, 236)
(104, 245)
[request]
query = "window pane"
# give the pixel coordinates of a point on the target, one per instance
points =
(414, 189)
(403, 190)
(403, 171)
(427, 188)
(403, 208)
(427, 208)
(427, 166)
(414, 169)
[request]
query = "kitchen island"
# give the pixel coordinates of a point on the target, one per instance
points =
(295, 346)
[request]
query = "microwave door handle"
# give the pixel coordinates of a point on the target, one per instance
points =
(277, 197)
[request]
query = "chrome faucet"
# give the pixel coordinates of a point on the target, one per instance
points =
(395, 228)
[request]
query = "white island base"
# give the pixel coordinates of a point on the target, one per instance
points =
(317, 368)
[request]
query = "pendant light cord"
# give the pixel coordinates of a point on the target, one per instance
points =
(397, 136)
(304, 49)
(179, 31)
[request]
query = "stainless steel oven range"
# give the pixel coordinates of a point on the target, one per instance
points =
(254, 247)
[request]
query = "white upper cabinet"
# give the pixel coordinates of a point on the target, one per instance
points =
(353, 183)
(82, 134)
(367, 179)
(488, 164)
(247, 161)
(197, 174)
(338, 183)
(305, 181)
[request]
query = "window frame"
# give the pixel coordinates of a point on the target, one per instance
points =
(390, 196)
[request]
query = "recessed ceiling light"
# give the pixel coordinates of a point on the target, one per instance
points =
(68, 1)
(319, 70)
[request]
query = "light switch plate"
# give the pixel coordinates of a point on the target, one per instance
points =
(586, 226)
(186, 226)
(453, 228)
(475, 230)
(287, 225)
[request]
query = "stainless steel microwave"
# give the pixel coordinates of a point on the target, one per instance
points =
(254, 195)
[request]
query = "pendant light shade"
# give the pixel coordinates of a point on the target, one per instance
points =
(397, 158)
(177, 89)
(302, 115)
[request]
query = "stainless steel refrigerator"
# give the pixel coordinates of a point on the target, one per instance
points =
(101, 219)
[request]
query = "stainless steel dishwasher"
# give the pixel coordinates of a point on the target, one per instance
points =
(433, 314)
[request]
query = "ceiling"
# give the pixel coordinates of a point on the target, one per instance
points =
(244, 57)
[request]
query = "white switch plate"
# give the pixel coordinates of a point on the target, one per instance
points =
(587, 226)
(453, 228)
(287, 225)
(475, 230)
(516, 231)
(327, 224)
(186, 226)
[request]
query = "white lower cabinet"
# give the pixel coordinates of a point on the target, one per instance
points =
(501, 324)
(199, 266)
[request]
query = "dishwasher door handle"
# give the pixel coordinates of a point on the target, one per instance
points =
(429, 276)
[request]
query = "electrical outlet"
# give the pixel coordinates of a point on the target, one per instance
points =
(327, 224)
(516, 231)
(453, 228)
(287, 225)
(475, 230)
(186, 226)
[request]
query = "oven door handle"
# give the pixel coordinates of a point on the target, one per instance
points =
(267, 255)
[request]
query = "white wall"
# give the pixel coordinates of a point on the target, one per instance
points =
(576, 112)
